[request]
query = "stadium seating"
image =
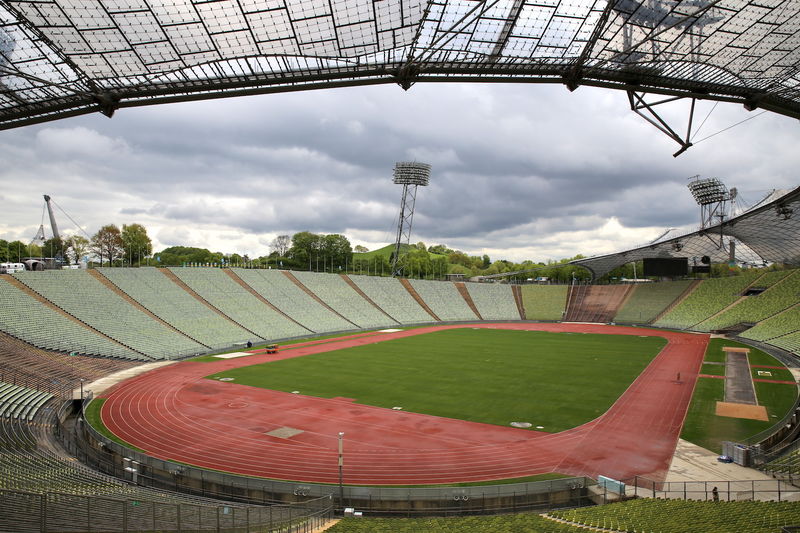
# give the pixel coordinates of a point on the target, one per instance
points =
(169, 302)
(544, 302)
(776, 298)
(710, 297)
(25, 466)
(649, 300)
(686, 516)
(342, 298)
(595, 303)
(293, 301)
(218, 289)
(494, 301)
(84, 297)
(21, 402)
(786, 466)
(57, 373)
(510, 523)
(26, 318)
(789, 342)
(390, 295)
(39, 325)
(775, 326)
(640, 515)
(443, 299)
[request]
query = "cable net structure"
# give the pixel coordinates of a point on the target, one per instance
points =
(61, 58)
(769, 232)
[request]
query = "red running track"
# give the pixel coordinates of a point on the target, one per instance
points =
(174, 414)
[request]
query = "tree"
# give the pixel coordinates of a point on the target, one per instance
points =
(4, 256)
(179, 255)
(440, 249)
(34, 250)
(360, 249)
(486, 261)
(17, 251)
(76, 247)
(459, 258)
(53, 247)
(336, 251)
(107, 243)
(281, 244)
(135, 243)
(305, 249)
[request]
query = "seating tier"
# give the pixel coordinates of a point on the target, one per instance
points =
(218, 289)
(84, 297)
(390, 295)
(169, 302)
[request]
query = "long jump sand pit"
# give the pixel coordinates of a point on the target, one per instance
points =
(742, 410)
(175, 414)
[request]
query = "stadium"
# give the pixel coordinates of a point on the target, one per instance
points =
(152, 399)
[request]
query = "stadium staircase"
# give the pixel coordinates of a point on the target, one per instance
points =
(231, 274)
(596, 303)
(414, 294)
(191, 292)
(125, 296)
(361, 293)
(308, 291)
(462, 289)
(517, 291)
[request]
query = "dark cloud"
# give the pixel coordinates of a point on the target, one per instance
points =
(517, 169)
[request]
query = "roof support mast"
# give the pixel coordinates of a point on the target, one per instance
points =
(53, 224)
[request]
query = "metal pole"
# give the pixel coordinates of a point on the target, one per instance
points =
(341, 465)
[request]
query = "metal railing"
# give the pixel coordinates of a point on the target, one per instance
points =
(765, 490)
(26, 512)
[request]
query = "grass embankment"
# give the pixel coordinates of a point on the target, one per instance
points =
(554, 380)
(704, 428)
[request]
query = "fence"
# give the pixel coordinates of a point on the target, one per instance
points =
(25, 512)
(765, 490)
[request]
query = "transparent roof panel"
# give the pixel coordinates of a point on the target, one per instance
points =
(66, 57)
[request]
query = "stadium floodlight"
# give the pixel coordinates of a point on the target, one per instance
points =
(410, 176)
(712, 196)
(707, 190)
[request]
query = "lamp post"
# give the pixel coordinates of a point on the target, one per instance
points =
(81, 390)
(341, 464)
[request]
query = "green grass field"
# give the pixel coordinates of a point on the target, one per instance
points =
(704, 428)
(481, 375)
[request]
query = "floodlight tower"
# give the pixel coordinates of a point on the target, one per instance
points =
(712, 196)
(410, 176)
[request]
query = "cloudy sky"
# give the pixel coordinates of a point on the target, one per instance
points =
(519, 171)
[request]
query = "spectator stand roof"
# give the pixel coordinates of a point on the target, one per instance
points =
(767, 233)
(61, 58)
